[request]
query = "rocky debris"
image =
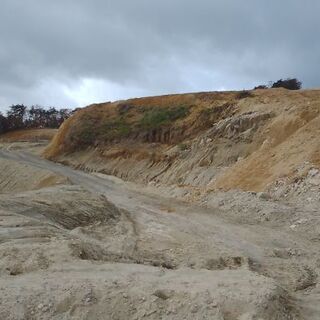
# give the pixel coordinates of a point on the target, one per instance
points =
(244, 124)
(303, 186)
(189, 294)
(163, 294)
(298, 222)
(248, 207)
(263, 196)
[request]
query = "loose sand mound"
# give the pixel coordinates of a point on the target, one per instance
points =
(48, 226)
(17, 177)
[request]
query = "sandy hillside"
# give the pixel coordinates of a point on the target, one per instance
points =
(249, 141)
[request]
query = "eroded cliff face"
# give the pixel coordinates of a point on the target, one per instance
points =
(204, 142)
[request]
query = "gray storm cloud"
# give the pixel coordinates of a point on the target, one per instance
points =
(75, 52)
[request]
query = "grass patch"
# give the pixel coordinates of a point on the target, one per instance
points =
(96, 130)
(85, 137)
(117, 128)
(183, 146)
(158, 117)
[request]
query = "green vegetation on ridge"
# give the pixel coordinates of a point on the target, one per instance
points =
(97, 129)
(158, 117)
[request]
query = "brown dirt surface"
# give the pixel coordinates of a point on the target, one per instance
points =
(28, 135)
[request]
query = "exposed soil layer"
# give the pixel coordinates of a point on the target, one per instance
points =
(205, 141)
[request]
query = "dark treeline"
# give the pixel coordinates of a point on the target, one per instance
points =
(22, 117)
(289, 83)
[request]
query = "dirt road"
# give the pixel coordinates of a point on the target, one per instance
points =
(174, 260)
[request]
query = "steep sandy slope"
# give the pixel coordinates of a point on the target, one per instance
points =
(205, 141)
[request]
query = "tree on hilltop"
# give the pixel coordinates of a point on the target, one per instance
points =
(290, 84)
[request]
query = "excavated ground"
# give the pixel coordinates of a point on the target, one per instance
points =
(196, 206)
(78, 245)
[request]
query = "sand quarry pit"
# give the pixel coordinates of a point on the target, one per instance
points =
(67, 252)
(79, 244)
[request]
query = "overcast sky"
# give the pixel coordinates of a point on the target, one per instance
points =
(72, 53)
